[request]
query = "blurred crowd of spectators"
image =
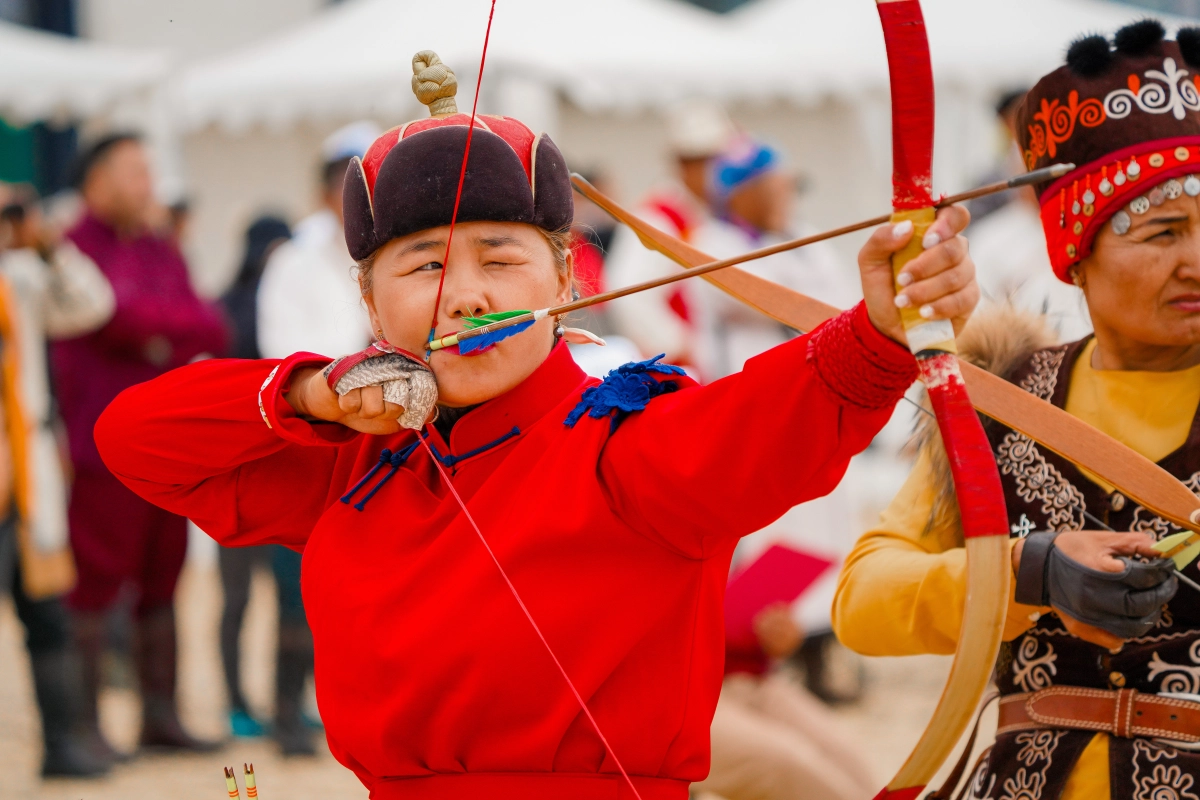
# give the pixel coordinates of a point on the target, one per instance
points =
(95, 296)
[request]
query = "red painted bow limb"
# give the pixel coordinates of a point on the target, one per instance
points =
(976, 479)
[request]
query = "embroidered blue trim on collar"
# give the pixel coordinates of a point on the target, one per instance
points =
(396, 460)
(626, 389)
(452, 461)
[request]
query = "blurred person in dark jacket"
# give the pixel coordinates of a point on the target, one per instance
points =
(237, 563)
(48, 290)
(119, 540)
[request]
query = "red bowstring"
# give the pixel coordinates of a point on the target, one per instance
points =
(533, 623)
(462, 177)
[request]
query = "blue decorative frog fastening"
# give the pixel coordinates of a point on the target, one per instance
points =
(626, 389)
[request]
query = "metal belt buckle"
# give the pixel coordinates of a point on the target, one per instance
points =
(1192, 698)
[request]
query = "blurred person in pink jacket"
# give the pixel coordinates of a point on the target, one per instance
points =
(120, 540)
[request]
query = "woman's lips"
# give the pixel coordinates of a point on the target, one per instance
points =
(1188, 303)
(454, 351)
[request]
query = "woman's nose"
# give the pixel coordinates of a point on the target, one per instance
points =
(461, 296)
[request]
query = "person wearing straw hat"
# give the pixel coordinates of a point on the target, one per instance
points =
(1099, 675)
(514, 573)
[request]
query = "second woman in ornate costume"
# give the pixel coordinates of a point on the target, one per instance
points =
(1100, 674)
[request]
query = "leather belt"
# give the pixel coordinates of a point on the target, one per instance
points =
(1125, 713)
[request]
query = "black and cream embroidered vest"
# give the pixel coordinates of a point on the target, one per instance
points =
(1046, 492)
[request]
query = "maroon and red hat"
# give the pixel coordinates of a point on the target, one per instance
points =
(1127, 111)
(408, 179)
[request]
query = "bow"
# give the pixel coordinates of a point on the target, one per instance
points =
(971, 459)
(1133, 474)
(976, 478)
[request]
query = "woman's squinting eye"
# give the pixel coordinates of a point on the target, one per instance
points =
(1164, 235)
(432, 265)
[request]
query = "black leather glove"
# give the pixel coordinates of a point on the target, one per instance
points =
(1127, 604)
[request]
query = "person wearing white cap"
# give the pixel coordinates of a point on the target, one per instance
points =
(660, 320)
(309, 298)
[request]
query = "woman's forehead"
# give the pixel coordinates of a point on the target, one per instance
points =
(1177, 208)
(484, 233)
(480, 236)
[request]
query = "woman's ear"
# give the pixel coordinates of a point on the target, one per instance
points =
(1077, 275)
(566, 279)
(376, 325)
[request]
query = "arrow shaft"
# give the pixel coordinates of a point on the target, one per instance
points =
(593, 194)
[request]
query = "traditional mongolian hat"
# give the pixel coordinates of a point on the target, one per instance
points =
(1127, 111)
(408, 179)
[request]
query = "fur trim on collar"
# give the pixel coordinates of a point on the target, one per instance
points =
(999, 340)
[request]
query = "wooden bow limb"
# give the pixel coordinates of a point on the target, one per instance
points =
(1136, 476)
(978, 490)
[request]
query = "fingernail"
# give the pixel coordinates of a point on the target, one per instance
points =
(932, 239)
(902, 301)
(927, 312)
(904, 278)
(902, 229)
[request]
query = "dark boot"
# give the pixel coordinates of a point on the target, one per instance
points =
(293, 663)
(90, 631)
(56, 682)
(155, 654)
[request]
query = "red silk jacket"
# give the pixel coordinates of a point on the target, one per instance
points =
(430, 681)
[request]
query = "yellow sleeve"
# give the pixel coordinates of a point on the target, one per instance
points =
(903, 587)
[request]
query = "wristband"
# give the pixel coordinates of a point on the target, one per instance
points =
(1031, 589)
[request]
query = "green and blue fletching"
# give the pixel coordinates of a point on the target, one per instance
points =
(488, 319)
(476, 344)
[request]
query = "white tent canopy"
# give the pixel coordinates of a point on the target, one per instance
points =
(838, 47)
(355, 59)
(46, 76)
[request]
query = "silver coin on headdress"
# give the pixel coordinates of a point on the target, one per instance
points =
(1172, 189)
(1134, 169)
(1106, 187)
(1139, 205)
(1121, 222)
(1119, 179)
(1192, 186)
(1157, 196)
(1089, 197)
(1076, 207)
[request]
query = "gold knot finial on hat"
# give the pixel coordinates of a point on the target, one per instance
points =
(434, 84)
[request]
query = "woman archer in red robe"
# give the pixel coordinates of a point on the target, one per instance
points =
(559, 633)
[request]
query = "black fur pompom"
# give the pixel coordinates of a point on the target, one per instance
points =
(1089, 56)
(1139, 37)
(1189, 45)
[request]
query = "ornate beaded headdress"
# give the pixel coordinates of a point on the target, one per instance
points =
(1128, 112)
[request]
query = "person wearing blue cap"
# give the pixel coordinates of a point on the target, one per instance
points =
(752, 192)
(309, 298)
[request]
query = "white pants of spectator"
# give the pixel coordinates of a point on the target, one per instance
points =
(772, 740)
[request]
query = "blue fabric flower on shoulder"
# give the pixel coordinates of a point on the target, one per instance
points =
(626, 389)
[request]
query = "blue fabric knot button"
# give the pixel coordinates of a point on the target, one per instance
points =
(626, 389)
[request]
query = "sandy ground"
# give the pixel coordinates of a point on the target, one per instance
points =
(900, 696)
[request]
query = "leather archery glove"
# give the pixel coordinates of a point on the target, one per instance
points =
(1125, 603)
